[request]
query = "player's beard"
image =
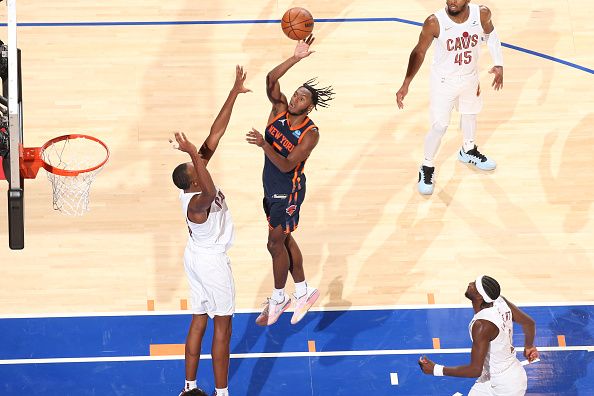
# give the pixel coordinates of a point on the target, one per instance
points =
(467, 295)
(455, 13)
(304, 111)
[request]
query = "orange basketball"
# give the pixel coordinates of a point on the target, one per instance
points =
(297, 23)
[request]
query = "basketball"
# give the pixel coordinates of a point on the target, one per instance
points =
(297, 23)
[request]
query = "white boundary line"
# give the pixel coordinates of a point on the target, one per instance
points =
(257, 310)
(274, 355)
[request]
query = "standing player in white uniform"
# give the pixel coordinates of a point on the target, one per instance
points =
(493, 357)
(457, 30)
(206, 262)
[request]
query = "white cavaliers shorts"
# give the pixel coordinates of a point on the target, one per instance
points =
(212, 290)
(447, 93)
(512, 382)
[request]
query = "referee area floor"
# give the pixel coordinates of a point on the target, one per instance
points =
(334, 352)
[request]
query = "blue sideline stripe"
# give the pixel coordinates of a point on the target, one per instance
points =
(549, 57)
(105, 336)
(400, 20)
(260, 21)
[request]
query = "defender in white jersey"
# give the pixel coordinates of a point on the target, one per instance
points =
(493, 357)
(206, 263)
(457, 31)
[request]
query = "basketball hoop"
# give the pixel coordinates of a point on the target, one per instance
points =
(72, 162)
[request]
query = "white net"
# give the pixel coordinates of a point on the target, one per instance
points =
(71, 191)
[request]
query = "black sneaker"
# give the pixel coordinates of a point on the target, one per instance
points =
(425, 182)
(193, 392)
(476, 158)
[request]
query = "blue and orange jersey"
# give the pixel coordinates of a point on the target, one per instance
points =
(284, 137)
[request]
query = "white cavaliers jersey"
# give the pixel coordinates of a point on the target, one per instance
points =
(216, 234)
(501, 354)
(456, 50)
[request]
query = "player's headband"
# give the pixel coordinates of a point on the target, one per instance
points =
(481, 289)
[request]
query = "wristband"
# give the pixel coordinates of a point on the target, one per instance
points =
(438, 370)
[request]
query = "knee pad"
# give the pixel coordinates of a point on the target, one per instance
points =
(438, 129)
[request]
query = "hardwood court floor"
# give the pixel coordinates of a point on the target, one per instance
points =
(367, 236)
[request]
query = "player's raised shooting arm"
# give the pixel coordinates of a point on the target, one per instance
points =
(429, 31)
(276, 97)
(219, 126)
(524, 320)
(482, 333)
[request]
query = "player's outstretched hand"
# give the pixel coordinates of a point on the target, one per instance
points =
(426, 365)
(240, 77)
(255, 137)
(302, 48)
(400, 96)
(183, 144)
(498, 79)
(531, 353)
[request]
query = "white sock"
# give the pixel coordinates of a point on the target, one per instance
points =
(300, 289)
(222, 392)
(190, 385)
(468, 126)
(428, 162)
(468, 145)
(278, 295)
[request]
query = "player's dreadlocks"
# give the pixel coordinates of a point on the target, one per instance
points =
(319, 96)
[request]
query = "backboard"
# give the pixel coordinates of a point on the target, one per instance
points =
(11, 131)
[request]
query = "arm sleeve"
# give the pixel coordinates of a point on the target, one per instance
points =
(494, 45)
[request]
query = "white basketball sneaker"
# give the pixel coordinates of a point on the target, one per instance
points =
(304, 303)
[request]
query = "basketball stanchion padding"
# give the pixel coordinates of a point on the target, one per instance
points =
(72, 162)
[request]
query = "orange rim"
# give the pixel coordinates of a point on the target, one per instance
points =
(62, 172)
